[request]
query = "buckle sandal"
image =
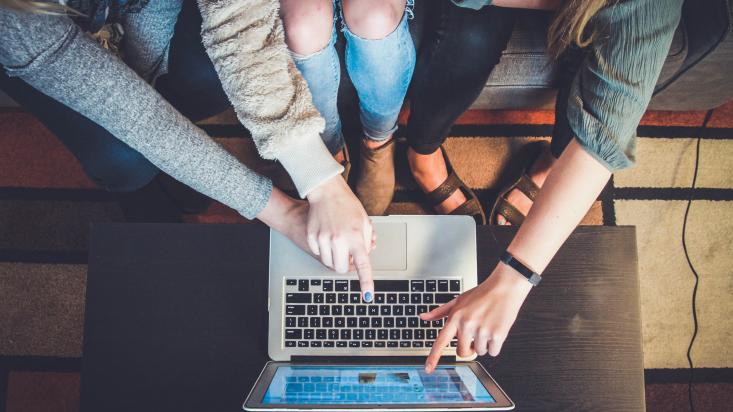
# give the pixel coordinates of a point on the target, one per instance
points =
(471, 207)
(524, 184)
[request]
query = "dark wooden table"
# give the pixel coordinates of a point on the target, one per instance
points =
(176, 320)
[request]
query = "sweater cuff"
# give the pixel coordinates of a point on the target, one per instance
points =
(308, 163)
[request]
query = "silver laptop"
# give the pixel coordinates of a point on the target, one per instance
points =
(329, 346)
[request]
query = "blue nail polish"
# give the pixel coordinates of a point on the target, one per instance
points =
(367, 297)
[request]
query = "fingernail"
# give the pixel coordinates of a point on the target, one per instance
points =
(367, 296)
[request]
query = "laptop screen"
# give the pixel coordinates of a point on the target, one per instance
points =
(346, 385)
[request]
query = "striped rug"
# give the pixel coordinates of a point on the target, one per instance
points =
(47, 203)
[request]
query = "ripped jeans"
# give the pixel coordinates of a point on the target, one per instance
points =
(380, 70)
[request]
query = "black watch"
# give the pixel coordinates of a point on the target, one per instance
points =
(523, 270)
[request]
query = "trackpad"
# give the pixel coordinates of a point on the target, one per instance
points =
(391, 251)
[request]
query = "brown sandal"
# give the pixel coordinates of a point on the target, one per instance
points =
(471, 207)
(524, 184)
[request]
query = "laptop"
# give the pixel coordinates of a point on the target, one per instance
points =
(330, 350)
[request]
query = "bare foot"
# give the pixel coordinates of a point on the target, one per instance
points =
(430, 171)
(538, 173)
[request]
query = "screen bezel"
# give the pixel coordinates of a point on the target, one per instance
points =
(254, 399)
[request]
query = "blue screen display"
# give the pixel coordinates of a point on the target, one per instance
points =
(348, 385)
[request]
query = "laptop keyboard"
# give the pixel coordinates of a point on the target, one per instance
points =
(328, 313)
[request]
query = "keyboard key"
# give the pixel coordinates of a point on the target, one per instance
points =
(315, 322)
(330, 298)
(366, 344)
(420, 334)
(391, 298)
(438, 323)
(385, 310)
(392, 344)
(343, 298)
(410, 310)
(412, 322)
(442, 286)
(431, 286)
(319, 298)
(417, 344)
(308, 334)
(443, 297)
(327, 322)
(302, 322)
(404, 298)
(415, 298)
(349, 310)
(351, 322)
(433, 307)
(417, 285)
(303, 285)
(382, 334)
(361, 310)
(353, 344)
(388, 322)
(324, 310)
(354, 285)
(337, 310)
(424, 323)
(294, 309)
(333, 334)
(401, 322)
(373, 310)
(293, 334)
(394, 334)
(342, 285)
(379, 344)
(327, 286)
(455, 285)
(321, 334)
(341, 344)
(405, 344)
(315, 282)
(315, 344)
(370, 334)
(312, 310)
(453, 344)
(376, 322)
(328, 344)
(391, 286)
(432, 334)
(406, 334)
(303, 344)
(290, 344)
(363, 322)
(427, 298)
(398, 310)
(355, 298)
(340, 322)
(291, 282)
(345, 334)
(290, 322)
(358, 334)
(422, 309)
(297, 298)
(379, 298)
(429, 344)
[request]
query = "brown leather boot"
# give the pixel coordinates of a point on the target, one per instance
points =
(375, 181)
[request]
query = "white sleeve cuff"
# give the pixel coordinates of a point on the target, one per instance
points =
(309, 163)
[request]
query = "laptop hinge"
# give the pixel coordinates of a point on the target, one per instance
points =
(366, 359)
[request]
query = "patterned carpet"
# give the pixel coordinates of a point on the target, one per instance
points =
(47, 203)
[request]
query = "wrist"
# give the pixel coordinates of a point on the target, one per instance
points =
(510, 279)
(326, 189)
(279, 210)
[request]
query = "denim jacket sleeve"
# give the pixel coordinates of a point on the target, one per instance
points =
(615, 82)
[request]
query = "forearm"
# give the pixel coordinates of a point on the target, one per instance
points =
(572, 186)
(528, 4)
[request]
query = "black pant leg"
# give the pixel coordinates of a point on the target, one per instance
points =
(460, 48)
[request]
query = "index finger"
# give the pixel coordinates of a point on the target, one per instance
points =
(444, 338)
(364, 270)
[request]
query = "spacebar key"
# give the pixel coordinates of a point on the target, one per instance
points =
(391, 285)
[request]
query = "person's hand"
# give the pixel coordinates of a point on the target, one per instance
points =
(339, 231)
(481, 317)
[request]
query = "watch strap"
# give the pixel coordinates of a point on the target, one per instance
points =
(509, 260)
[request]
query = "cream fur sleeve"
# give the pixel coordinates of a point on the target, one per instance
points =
(245, 41)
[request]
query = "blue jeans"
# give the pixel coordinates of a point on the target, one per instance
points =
(380, 70)
(191, 85)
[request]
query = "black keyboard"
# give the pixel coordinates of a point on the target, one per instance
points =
(330, 313)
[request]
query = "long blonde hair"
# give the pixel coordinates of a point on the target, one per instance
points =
(570, 25)
(38, 6)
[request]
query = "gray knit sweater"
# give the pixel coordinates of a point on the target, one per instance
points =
(244, 39)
